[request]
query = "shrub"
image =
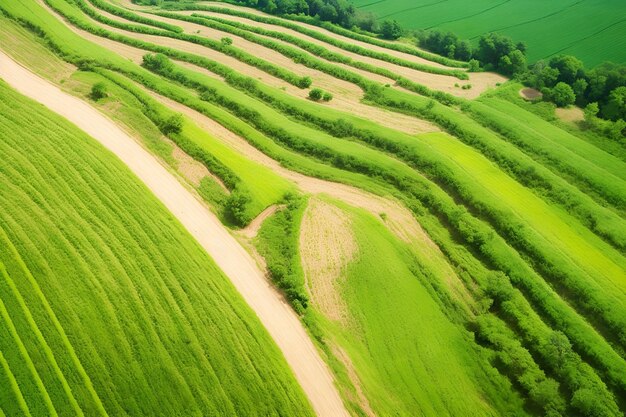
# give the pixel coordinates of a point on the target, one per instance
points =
(327, 96)
(316, 94)
(98, 91)
(562, 95)
(390, 29)
(305, 82)
(173, 124)
(226, 41)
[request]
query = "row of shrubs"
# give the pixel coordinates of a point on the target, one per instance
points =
(118, 11)
(477, 237)
(278, 244)
(463, 222)
(607, 190)
(320, 36)
(239, 54)
(534, 254)
(317, 49)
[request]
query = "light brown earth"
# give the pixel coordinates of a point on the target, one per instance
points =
(344, 358)
(572, 114)
(327, 246)
(192, 170)
(347, 96)
(398, 219)
(275, 314)
(479, 81)
(252, 229)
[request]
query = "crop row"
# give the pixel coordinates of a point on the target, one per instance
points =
(371, 171)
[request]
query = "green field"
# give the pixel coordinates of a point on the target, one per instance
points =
(111, 311)
(591, 30)
(478, 269)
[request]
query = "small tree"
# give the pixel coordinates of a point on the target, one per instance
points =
(327, 96)
(316, 94)
(173, 124)
(305, 82)
(562, 95)
(98, 91)
(391, 29)
(474, 65)
(226, 41)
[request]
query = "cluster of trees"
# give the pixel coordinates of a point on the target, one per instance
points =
(340, 12)
(564, 80)
(494, 51)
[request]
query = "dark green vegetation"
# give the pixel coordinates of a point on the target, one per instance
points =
(590, 30)
(526, 213)
(108, 307)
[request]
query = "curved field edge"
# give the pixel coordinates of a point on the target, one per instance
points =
(107, 275)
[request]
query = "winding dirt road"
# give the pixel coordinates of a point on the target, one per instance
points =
(277, 317)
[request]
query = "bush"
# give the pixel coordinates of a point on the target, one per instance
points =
(98, 91)
(390, 29)
(562, 95)
(327, 96)
(173, 124)
(316, 94)
(226, 41)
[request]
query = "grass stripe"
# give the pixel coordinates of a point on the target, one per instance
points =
(20, 402)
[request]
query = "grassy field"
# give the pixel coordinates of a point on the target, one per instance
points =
(109, 311)
(507, 300)
(591, 30)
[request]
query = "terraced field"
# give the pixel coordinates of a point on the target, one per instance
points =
(450, 251)
(590, 30)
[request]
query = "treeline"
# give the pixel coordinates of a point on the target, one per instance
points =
(563, 79)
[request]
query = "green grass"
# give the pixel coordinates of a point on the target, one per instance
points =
(108, 306)
(590, 30)
(410, 357)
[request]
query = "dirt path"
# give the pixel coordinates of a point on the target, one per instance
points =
(275, 314)
(347, 96)
(252, 229)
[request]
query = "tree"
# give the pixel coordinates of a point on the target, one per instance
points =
(463, 50)
(328, 13)
(390, 29)
(570, 68)
(316, 94)
(474, 65)
(562, 95)
(616, 107)
(579, 87)
(98, 91)
(157, 63)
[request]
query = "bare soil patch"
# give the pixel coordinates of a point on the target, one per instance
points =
(252, 229)
(572, 114)
(327, 246)
(530, 94)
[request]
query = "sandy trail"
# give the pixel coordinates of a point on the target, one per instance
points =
(252, 229)
(275, 314)
(347, 96)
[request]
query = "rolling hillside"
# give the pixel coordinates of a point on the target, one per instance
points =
(451, 248)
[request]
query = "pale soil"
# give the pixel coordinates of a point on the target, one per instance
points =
(252, 229)
(346, 95)
(361, 399)
(366, 45)
(572, 114)
(192, 170)
(327, 246)
(480, 81)
(273, 311)
(530, 93)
